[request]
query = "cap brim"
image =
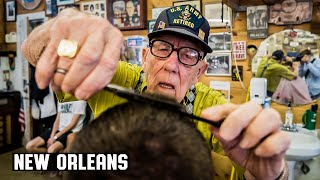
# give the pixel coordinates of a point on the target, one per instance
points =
(184, 33)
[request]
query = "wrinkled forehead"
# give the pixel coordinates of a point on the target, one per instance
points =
(178, 40)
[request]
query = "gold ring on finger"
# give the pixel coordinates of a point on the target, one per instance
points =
(67, 48)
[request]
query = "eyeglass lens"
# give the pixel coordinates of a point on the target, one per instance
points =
(186, 55)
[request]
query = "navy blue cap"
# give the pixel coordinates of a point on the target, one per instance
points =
(185, 20)
(278, 55)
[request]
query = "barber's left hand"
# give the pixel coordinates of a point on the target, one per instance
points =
(251, 137)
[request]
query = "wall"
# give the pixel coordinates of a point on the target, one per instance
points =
(11, 26)
(238, 93)
(2, 26)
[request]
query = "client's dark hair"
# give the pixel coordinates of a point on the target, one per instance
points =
(161, 144)
(305, 52)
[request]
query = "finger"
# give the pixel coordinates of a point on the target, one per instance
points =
(84, 62)
(46, 65)
(238, 120)
(267, 122)
(49, 58)
(104, 71)
(219, 112)
(65, 63)
(226, 145)
(275, 144)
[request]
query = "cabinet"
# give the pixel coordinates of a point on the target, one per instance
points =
(10, 134)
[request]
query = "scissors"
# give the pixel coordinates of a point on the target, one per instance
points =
(130, 95)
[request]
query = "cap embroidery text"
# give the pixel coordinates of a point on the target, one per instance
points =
(191, 9)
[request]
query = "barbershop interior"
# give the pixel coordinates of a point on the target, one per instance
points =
(266, 51)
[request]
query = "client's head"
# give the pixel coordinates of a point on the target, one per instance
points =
(161, 144)
(278, 55)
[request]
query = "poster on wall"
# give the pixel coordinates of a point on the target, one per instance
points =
(291, 12)
(51, 8)
(216, 14)
(237, 73)
(132, 49)
(97, 8)
(257, 22)
(239, 50)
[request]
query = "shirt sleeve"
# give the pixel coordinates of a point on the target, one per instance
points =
(79, 107)
(314, 67)
(287, 73)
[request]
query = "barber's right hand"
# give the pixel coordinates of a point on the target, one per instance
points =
(95, 63)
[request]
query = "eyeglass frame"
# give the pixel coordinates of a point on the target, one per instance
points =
(200, 56)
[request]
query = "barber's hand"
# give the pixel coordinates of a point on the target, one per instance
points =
(251, 137)
(289, 59)
(95, 63)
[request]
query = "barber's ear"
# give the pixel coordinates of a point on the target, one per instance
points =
(144, 56)
(202, 69)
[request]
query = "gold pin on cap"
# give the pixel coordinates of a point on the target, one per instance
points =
(201, 34)
(67, 48)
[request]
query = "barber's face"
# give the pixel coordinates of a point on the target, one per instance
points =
(169, 76)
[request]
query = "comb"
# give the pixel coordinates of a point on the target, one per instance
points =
(130, 95)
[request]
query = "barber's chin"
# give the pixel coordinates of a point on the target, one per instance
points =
(166, 92)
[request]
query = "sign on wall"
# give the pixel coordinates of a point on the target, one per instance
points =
(239, 50)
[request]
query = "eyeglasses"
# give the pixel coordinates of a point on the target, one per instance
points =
(186, 55)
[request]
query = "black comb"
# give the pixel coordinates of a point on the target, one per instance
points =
(130, 95)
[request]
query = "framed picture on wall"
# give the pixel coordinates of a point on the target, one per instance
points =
(217, 13)
(51, 8)
(97, 8)
(257, 24)
(219, 64)
(131, 50)
(64, 2)
(150, 25)
(127, 14)
(237, 73)
(196, 4)
(157, 11)
(11, 10)
(220, 41)
(60, 8)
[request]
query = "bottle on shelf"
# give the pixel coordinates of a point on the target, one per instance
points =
(267, 102)
(289, 116)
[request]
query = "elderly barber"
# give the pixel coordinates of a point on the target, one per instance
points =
(172, 65)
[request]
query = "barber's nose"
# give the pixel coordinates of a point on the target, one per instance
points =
(172, 63)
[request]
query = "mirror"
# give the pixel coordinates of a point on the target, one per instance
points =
(296, 91)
